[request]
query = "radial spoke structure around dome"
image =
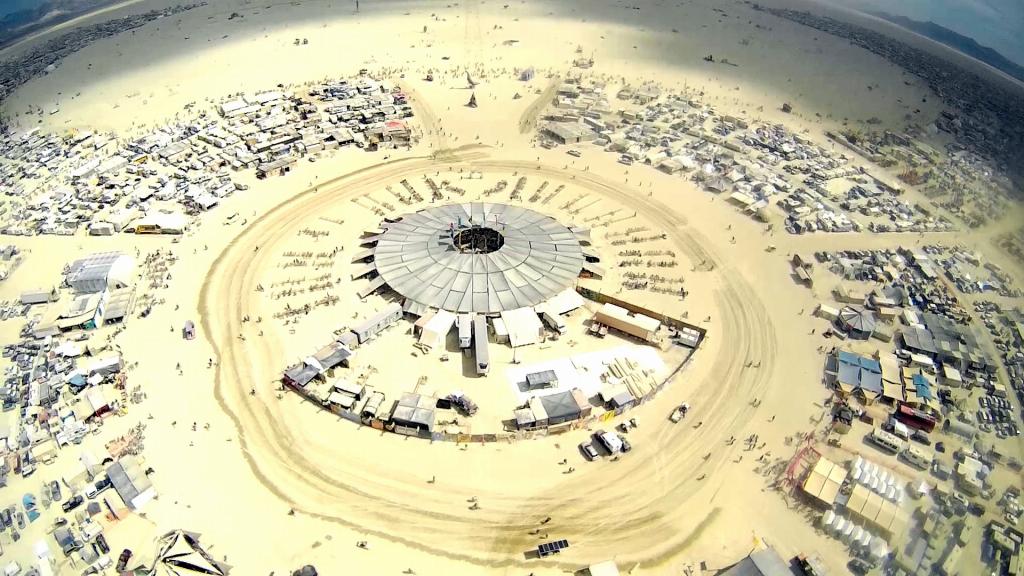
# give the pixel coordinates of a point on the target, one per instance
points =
(478, 257)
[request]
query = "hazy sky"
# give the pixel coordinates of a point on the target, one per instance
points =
(998, 24)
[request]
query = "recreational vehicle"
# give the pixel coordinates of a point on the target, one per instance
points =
(885, 441)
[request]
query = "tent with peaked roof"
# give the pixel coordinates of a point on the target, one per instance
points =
(857, 322)
(181, 555)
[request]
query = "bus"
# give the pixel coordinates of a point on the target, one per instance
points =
(916, 419)
(885, 441)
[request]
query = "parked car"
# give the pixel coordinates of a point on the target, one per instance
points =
(122, 560)
(921, 437)
(860, 566)
(96, 488)
(588, 450)
(55, 491)
(101, 544)
(72, 503)
(6, 519)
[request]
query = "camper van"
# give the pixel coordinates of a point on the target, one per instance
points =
(885, 441)
(917, 457)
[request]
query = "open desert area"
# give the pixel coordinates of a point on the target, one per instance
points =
(515, 288)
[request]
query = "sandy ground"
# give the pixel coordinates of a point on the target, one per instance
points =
(263, 456)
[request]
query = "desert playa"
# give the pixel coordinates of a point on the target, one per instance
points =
(505, 288)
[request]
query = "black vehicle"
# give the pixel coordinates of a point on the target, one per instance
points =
(6, 520)
(101, 544)
(921, 437)
(859, 566)
(122, 560)
(72, 503)
(940, 447)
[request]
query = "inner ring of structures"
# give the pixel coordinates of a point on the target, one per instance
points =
(417, 257)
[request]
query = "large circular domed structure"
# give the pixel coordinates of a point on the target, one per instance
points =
(478, 257)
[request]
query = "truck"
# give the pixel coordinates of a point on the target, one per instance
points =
(465, 323)
(483, 361)
(554, 322)
(611, 442)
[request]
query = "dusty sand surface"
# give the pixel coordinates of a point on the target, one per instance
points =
(267, 454)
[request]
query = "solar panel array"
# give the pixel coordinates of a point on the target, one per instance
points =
(417, 257)
(553, 547)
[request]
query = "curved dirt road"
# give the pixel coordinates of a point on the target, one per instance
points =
(350, 486)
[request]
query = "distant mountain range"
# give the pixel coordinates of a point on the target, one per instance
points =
(19, 23)
(958, 42)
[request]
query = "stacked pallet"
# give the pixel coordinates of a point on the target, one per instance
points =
(626, 371)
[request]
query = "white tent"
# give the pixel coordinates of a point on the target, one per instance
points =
(436, 330)
(523, 325)
(565, 301)
(847, 534)
(921, 488)
(878, 547)
(828, 518)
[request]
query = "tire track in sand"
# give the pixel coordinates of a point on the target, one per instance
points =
(645, 522)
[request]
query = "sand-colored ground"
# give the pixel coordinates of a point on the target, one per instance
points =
(265, 455)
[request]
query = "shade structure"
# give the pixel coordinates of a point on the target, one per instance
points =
(878, 547)
(828, 518)
(181, 555)
(478, 257)
(847, 534)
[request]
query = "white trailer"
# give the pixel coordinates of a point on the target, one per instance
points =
(465, 331)
(483, 358)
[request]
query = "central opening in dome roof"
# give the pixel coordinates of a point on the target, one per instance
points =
(478, 240)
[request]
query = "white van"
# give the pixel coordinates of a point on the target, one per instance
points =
(885, 441)
(917, 457)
